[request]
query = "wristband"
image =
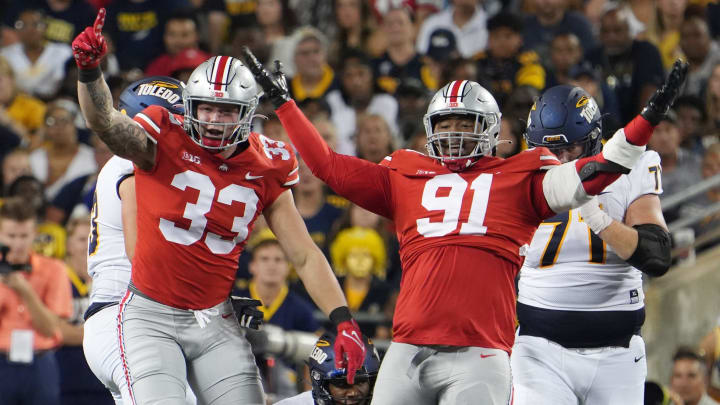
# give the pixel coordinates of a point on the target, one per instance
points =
(340, 315)
(89, 75)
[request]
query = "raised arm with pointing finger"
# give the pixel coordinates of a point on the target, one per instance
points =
(124, 137)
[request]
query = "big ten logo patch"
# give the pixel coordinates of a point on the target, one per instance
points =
(190, 157)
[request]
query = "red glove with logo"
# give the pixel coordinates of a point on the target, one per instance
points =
(89, 47)
(349, 346)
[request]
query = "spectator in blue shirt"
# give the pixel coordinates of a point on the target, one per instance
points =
(551, 18)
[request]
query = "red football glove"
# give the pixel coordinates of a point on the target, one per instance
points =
(349, 348)
(89, 47)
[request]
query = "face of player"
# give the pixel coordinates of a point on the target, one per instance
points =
(18, 236)
(687, 380)
(349, 394)
(453, 124)
(180, 35)
(269, 265)
(569, 153)
(217, 116)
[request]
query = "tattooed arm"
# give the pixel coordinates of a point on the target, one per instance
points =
(122, 135)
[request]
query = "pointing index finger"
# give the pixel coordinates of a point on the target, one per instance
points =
(99, 21)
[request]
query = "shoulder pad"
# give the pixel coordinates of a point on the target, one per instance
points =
(153, 119)
(648, 158)
(412, 163)
(278, 157)
(539, 158)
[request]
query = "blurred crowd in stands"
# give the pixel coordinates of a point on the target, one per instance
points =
(363, 71)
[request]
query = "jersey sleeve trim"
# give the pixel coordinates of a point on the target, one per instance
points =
(148, 123)
(120, 180)
(293, 177)
(292, 182)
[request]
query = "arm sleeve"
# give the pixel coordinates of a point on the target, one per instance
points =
(571, 184)
(364, 183)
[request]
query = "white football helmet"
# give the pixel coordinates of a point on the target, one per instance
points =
(469, 100)
(224, 80)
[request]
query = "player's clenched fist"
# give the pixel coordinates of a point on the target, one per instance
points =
(89, 47)
(349, 348)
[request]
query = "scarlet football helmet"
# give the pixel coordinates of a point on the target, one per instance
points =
(466, 99)
(224, 80)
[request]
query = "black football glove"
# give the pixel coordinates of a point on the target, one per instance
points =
(273, 84)
(665, 96)
(246, 312)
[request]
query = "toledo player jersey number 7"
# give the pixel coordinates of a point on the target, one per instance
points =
(195, 212)
(561, 223)
(452, 205)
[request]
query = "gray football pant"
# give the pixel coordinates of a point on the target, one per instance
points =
(163, 347)
(428, 375)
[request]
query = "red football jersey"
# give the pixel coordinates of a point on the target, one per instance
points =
(461, 234)
(195, 211)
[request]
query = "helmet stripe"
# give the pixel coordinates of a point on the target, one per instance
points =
(221, 72)
(455, 89)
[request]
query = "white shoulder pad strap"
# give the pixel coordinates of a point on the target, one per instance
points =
(563, 189)
(619, 150)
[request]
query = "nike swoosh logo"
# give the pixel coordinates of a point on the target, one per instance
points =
(638, 358)
(248, 176)
(225, 316)
(484, 356)
(354, 337)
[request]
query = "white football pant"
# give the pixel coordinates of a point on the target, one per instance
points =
(545, 373)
